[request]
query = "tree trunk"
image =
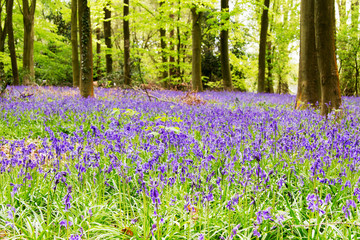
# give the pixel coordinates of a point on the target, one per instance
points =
(107, 35)
(354, 28)
(224, 47)
(86, 83)
(270, 79)
(127, 78)
(325, 46)
(98, 52)
(74, 44)
(196, 49)
(2, 48)
(11, 41)
(28, 55)
(164, 67)
(178, 47)
(172, 67)
(262, 46)
(309, 90)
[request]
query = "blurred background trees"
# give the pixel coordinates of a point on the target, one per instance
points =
(151, 43)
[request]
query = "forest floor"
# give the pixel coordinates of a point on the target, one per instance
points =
(172, 165)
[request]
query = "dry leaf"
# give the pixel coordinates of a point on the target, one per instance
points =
(127, 231)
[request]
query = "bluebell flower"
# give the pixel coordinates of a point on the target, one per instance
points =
(65, 223)
(201, 237)
(346, 208)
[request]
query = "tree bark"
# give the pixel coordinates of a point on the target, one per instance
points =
(2, 47)
(107, 35)
(270, 79)
(164, 67)
(86, 83)
(172, 67)
(325, 45)
(74, 44)
(309, 89)
(178, 47)
(262, 46)
(127, 78)
(224, 48)
(98, 52)
(28, 54)
(11, 41)
(354, 28)
(196, 50)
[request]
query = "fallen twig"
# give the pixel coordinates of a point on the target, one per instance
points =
(150, 95)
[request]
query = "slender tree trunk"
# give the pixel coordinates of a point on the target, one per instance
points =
(224, 48)
(346, 70)
(270, 79)
(98, 52)
(262, 46)
(178, 48)
(2, 47)
(196, 49)
(107, 35)
(309, 90)
(11, 41)
(74, 44)
(28, 55)
(354, 28)
(172, 67)
(86, 82)
(127, 78)
(325, 45)
(164, 67)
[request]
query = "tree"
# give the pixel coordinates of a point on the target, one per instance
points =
(107, 35)
(196, 49)
(98, 53)
(164, 72)
(318, 72)
(74, 44)
(126, 27)
(348, 47)
(172, 65)
(309, 89)
(28, 53)
(224, 46)
(86, 83)
(2, 45)
(11, 41)
(326, 57)
(262, 47)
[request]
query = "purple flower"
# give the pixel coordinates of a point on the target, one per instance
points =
(10, 224)
(153, 228)
(11, 212)
(65, 223)
(280, 219)
(233, 232)
(67, 198)
(229, 205)
(327, 198)
(263, 215)
(201, 237)
(75, 237)
(281, 183)
(314, 203)
(256, 232)
(346, 208)
(15, 188)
